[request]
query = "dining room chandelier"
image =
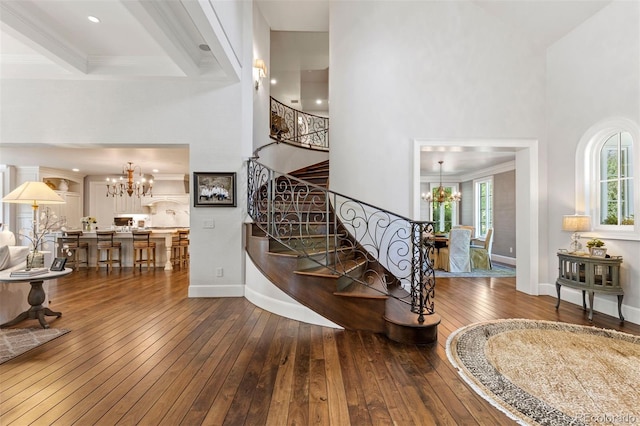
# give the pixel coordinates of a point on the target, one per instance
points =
(127, 184)
(440, 193)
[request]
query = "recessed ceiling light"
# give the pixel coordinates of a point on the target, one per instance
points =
(75, 170)
(204, 47)
(318, 101)
(274, 81)
(93, 19)
(155, 170)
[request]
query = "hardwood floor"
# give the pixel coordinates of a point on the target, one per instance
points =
(141, 352)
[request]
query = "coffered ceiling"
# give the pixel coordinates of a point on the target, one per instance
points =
(160, 38)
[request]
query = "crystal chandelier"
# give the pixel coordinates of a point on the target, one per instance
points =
(440, 193)
(126, 183)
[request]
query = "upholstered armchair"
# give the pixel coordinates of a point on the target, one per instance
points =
(481, 252)
(12, 257)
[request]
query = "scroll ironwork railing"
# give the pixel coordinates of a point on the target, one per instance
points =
(339, 232)
(297, 127)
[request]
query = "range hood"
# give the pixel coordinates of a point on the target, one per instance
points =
(169, 188)
(170, 184)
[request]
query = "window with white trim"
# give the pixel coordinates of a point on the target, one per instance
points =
(607, 187)
(483, 212)
(444, 214)
(615, 174)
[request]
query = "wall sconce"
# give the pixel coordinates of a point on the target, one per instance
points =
(259, 71)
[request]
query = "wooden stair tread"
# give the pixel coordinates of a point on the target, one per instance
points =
(310, 236)
(293, 253)
(360, 290)
(322, 271)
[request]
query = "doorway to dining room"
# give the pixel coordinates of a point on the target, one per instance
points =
(526, 170)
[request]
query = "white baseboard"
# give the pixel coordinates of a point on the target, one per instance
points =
(504, 259)
(228, 290)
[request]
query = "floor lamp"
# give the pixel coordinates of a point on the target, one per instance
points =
(576, 223)
(34, 193)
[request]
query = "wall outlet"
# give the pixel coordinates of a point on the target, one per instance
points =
(209, 224)
(510, 249)
(219, 272)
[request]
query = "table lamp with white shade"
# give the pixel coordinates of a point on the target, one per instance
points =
(576, 223)
(34, 193)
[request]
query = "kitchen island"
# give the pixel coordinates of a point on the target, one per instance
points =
(162, 237)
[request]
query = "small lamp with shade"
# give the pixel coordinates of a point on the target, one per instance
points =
(576, 223)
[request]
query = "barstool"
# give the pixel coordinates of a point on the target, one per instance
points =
(175, 248)
(180, 248)
(105, 243)
(71, 245)
(141, 243)
(184, 245)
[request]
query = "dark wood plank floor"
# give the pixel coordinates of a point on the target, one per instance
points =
(141, 352)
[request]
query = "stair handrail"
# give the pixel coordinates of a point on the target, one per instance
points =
(294, 212)
(296, 127)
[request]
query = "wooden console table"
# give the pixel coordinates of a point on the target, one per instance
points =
(591, 275)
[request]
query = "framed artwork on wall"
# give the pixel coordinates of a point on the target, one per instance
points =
(214, 189)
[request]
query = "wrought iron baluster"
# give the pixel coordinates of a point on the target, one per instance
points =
(302, 129)
(270, 219)
(423, 283)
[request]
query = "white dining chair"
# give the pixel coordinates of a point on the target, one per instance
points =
(455, 257)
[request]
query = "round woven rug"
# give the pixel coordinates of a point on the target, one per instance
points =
(551, 373)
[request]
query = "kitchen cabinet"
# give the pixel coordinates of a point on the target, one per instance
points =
(69, 186)
(100, 206)
(71, 211)
(127, 204)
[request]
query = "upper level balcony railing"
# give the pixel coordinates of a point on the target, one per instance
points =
(299, 128)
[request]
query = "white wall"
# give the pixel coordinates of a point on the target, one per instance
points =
(406, 70)
(261, 108)
(286, 158)
(593, 74)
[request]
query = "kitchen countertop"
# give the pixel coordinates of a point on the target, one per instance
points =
(128, 233)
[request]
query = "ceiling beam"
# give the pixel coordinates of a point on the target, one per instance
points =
(165, 27)
(22, 21)
(206, 20)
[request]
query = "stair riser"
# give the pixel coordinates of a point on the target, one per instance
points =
(320, 259)
(318, 293)
(309, 245)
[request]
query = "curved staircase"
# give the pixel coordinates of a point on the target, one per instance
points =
(297, 242)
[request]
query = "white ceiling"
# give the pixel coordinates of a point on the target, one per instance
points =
(148, 39)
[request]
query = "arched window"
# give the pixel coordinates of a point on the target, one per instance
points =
(607, 185)
(616, 206)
